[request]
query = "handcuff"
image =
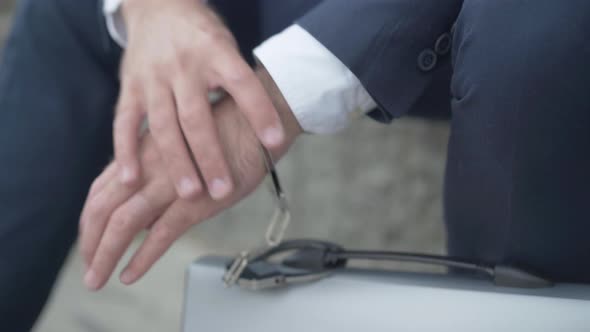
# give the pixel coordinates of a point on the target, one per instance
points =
(282, 263)
(276, 228)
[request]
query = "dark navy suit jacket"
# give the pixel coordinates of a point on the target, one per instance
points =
(383, 42)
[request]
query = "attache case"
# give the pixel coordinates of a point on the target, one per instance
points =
(369, 300)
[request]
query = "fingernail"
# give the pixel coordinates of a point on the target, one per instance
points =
(127, 175)
(127, 277)
(273, 136)
(219, 188)
(186, 188)
(91, 280)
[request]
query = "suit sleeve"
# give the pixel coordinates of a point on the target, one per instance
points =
(392, 46)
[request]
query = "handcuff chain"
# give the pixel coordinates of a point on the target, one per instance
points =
(276, 229)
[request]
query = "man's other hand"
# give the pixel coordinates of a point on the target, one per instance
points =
(178, 51)
(114, 213)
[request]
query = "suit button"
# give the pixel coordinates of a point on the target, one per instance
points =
(427, 60)
(443, 44)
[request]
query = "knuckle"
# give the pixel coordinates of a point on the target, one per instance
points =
(159, 78)
(159, 106)
(176, 68)
(94, 186)
(190, 118)
(121, 123)
(163, 234)
(158, 123)
(109, 248)
(127, 218)
(150, 155)
(161, 68)
(156, 128)
(123, 107)
(95, 209)
(132, 85)
(122, 220)
(239, 75)
(170, 146)
(212, 36)
(126, 109)
(185, 56)
(229, 38)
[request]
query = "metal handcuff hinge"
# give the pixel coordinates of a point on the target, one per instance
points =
(276, 228)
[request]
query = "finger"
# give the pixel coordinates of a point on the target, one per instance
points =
(128, 120)
(171, 225)
(96, 213)
(129, 219)
(239, 80)
(99, 183)
(167, 134)
(200, 130)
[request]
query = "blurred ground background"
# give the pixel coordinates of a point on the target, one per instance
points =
(373, 186)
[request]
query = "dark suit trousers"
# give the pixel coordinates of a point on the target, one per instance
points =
(518, 172)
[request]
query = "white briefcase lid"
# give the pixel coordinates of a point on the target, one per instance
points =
(380, 301)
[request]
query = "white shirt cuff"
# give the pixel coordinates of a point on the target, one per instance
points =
(322, 92)
(115, 22)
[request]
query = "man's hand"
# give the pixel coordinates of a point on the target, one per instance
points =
(178, 51)
(114, 213)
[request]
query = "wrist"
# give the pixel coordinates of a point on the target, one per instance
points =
(290, 123)
(129, 8)
(134, 10)
(131, 11)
